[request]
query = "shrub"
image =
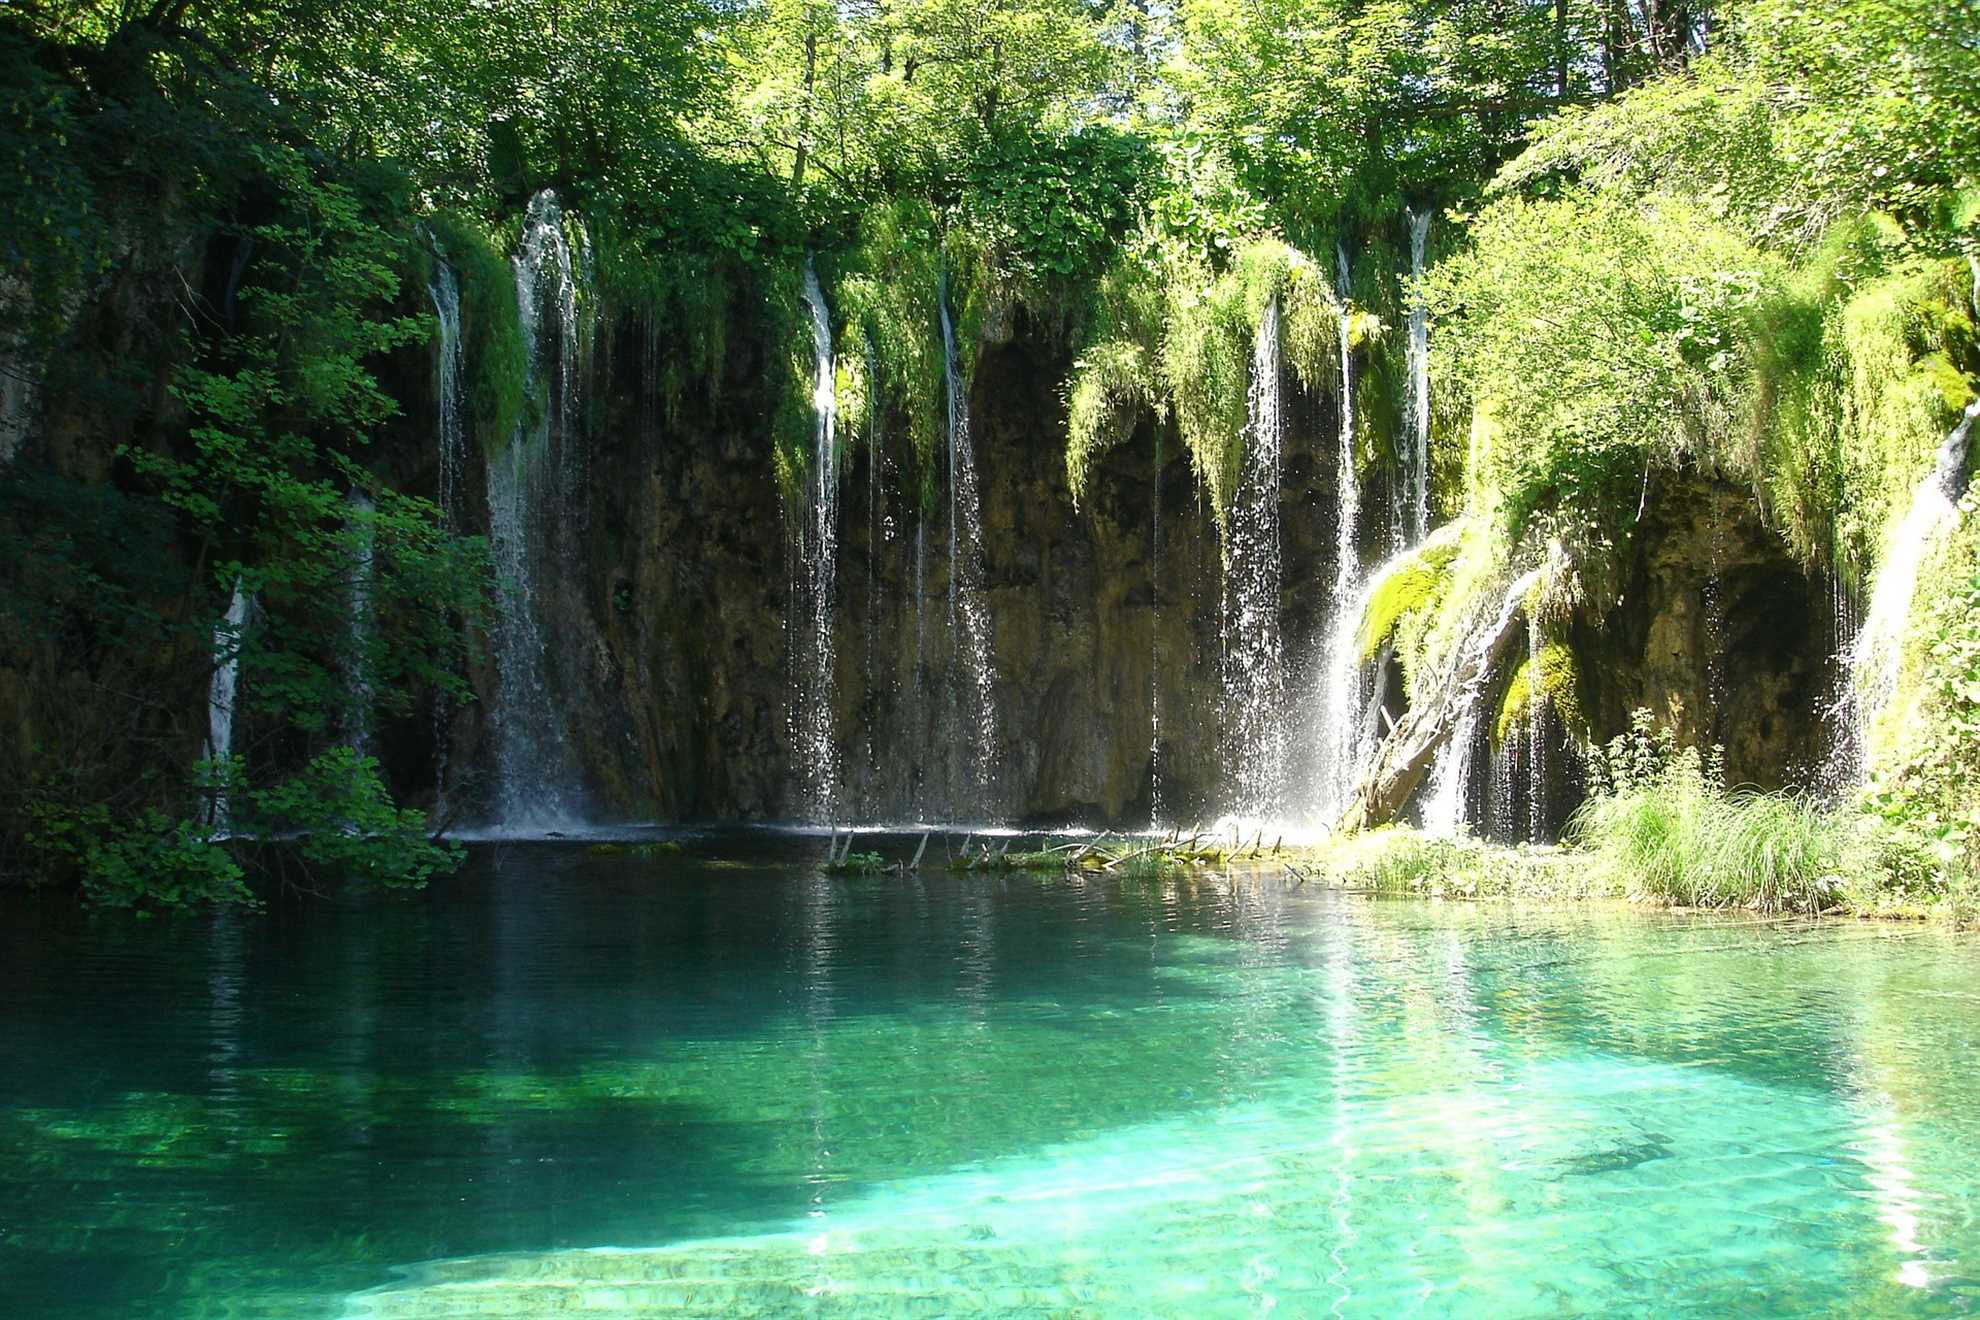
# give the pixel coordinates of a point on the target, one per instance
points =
(1665, 828)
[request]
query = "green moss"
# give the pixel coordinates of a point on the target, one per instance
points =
(683, 298)
(1209, 327)
(494, 358)
(1113, 383)
(1409, 588)
(886, 290)
(1559, 688)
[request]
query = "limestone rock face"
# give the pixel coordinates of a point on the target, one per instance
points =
(1719, 633)
(676, 645)
(672, 625)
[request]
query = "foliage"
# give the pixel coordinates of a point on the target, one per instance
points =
(1662, 822)
(344, 825)
(254, 487)
(1405, 863)
(1552, 677)
(492, 349)
(887, 291)
(1051, 206)
(1208, 332)
(148, 861)
(1411, 587)
(1642, 757)
(1921, 788)
(1112, 385)
(1630, 313)
(1884, 94)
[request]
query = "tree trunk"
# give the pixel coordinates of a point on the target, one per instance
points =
(1406, 754)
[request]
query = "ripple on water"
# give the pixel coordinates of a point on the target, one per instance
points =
(735, 1085)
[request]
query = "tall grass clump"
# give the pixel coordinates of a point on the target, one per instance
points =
(1665, 828)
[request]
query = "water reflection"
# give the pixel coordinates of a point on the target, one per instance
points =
(1186, 1095)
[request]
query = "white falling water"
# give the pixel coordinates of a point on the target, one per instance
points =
(531, 488)
(223, 692)
(1536, 740)
(818, 546)
(357, 660)
(1339, 708)
(1878, 649)
(969, 620)
(1255, 732)
(20, 368)
(1450, 775)
(445, 291)
(1418, 502)
(1155, 807)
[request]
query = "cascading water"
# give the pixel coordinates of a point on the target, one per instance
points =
(969, 620)
(1536, 739)
(532, 489)
(223, 692)
(1875, 651)
(1155, 645)
(1416, 509)
(1339, 709)
(1878, 648)
(818, 547)
(357, 661)
(445, 291)
(1450, 774)
(1255, 732)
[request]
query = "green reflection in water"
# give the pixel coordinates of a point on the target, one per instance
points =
(665, 1085)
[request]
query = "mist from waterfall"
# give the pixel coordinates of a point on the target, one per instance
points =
(1253, 660)
(969, 619)
(1414, 524)
(534, 494)
(1446, 805)
(357, 645)
(1876, 653)
(1342, 746)
(223, 692)
(817, 539)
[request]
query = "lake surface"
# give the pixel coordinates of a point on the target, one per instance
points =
(724, 1082)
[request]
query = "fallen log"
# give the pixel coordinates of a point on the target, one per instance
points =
(1406, 753)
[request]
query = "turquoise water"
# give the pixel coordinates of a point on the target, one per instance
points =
(726, 1083)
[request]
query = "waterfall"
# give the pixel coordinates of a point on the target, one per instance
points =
(879, 533)
(357, 661)
(1155, 645)
(1347, 477)
(445, 291)
(969, 620)
(1339, 708)
(1536, 739)
(1876, 653)
(223, 693)
(818, 550)
(1450, 774)
(1253, 664)
(1418, 503)
(532, 488)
